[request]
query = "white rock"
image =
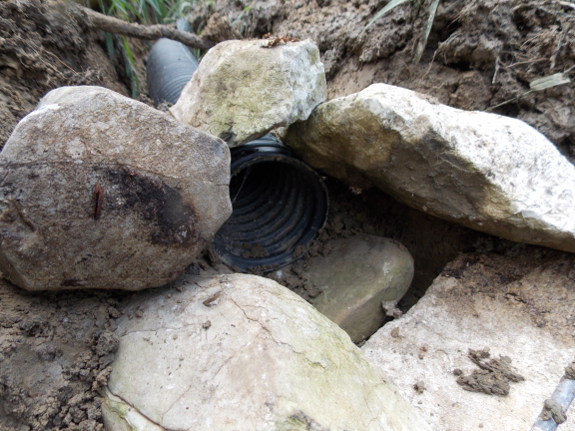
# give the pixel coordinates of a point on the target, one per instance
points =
(101, 191)
(240, 352)
(487, 172)
(359, 274)
(242, 90)
(515, 306)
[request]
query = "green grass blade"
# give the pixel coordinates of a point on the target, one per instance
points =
(540, 84)
(155, 5)
(549, 81)
(110, 45)
(103, 7)
(131, 69)
(126, 7)
(241, 15)
(386, 9)
(425, 32)
(162, 10)
(143, 8)
(119, 9)
(142, 11)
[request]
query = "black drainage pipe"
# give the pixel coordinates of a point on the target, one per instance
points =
(170, 66)
(279, 202)
(279, 206)
(562, 398)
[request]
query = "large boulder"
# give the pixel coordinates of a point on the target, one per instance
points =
(240, 352)
(487, 172)
(243, 89)
(488, 344)
(102, 191)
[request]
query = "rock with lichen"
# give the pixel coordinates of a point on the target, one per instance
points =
(240, 352)
(491, 173)
(245, 88)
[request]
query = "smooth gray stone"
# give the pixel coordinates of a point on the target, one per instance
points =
(356, 277)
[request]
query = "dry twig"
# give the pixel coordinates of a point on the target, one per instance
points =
(150, 32)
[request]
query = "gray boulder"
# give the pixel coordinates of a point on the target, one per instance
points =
(521, 326)
(487, 172)
(243, 89)
(102, 191)
(356, 277)
(240, 352)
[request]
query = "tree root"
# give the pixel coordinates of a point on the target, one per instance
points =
(110, 24)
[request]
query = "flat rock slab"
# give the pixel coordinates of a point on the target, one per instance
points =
(240, 352)
(488, 172)
(356, 277)
(243, 89)
(521, 307)
(101, 191)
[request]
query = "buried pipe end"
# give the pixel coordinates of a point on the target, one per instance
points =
(280, 204)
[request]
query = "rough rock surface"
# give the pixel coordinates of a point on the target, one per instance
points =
(101, 191)
(240, 352)
(356, 277)
(521, 308)
(243, 89)
(484, 171)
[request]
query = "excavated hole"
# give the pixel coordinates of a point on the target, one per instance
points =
(432, 242)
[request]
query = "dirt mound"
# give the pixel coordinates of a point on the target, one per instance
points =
(42, 48)
(479, 54)
(55, 355)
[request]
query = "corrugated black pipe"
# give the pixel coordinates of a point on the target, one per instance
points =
(562, 397)
(170, 66)
(279, 206)
(279, 202)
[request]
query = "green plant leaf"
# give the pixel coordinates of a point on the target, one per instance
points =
(540, 84)
(119, 8)
(386, 9)
(549, 81)
(156, 7)
(110, 45)
(131, 69)
(143, 12)
(422, 42)
(241, 15)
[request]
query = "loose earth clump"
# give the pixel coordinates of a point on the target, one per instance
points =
(492, 378)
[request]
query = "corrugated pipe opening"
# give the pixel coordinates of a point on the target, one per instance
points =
(279, 206)
(279, 202)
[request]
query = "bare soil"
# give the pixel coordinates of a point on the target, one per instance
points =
(55, 349)
(480, 53)
(55, 355)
